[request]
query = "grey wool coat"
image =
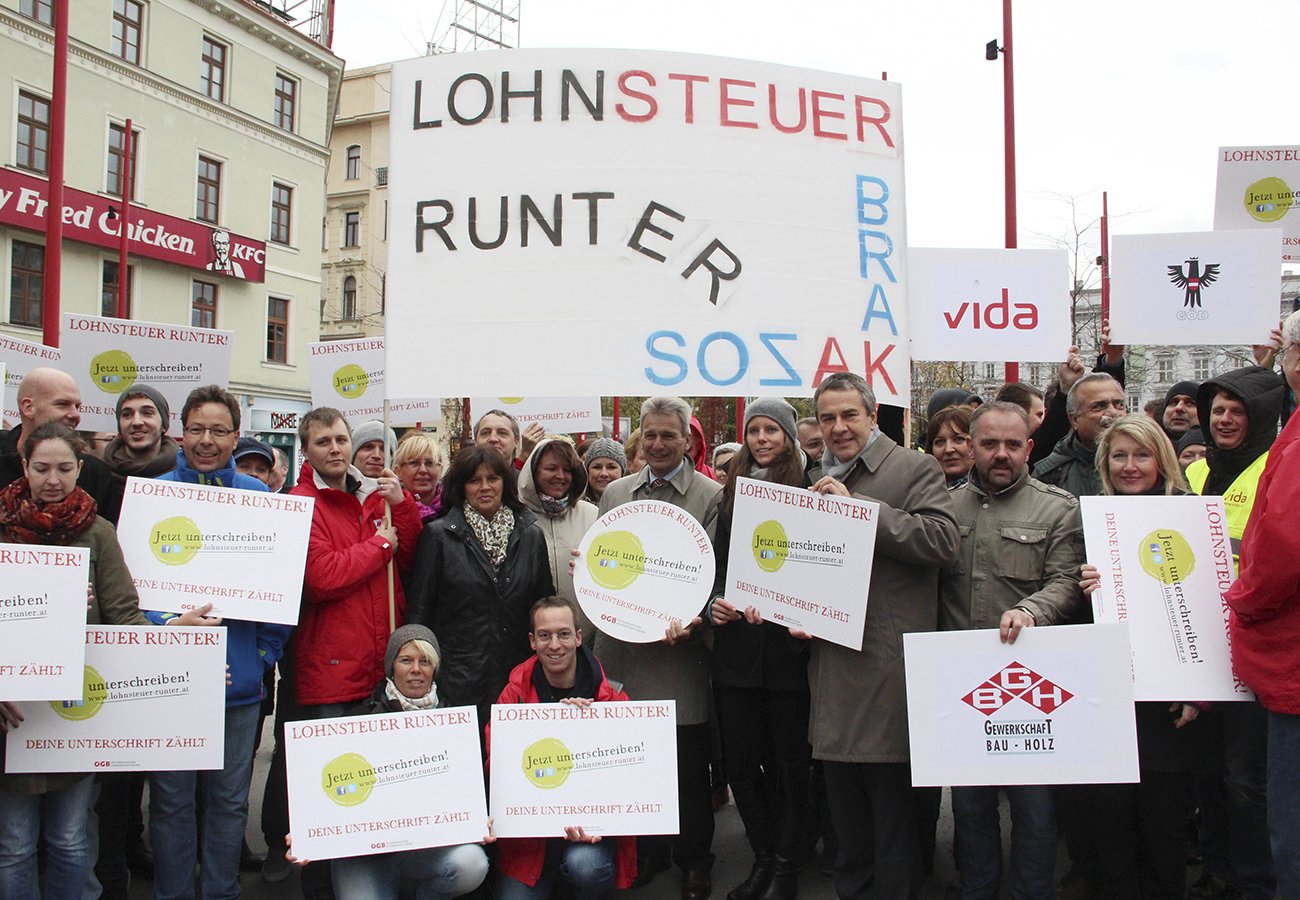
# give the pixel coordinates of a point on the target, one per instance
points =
(859, 702)
(657, 671)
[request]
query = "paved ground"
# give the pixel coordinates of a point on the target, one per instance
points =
(729, 845)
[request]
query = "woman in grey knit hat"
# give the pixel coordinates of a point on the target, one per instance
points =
(606, 462)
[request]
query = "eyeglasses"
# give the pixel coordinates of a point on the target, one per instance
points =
(564, 637)
(421, 464)
(196, 431)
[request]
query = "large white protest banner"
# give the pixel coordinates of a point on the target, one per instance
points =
(349, 376)
(151, 698)
(642, 565)
(1208, 287)
(192, 544)
(19, 358)
(988, 305)
(558, 415)
(802, 559)
(1165, 563)
(42, 620)
(1055, 707)
(610, 768)
(360, 785)
(1257, 188)
(107, 356)
(635, 222)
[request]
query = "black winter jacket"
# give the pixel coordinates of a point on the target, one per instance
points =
(479, 616)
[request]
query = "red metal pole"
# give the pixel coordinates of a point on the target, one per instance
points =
(740, 415)
(124, 238)
(54, 212)
(615, 429)
(1105, 259)
(1009, 145)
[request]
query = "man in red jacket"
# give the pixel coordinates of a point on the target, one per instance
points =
(562, 671)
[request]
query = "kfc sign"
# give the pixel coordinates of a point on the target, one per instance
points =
(97, 220)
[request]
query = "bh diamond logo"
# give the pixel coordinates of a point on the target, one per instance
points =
(1017, 682)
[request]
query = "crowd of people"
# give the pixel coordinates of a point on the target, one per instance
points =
(433, 582)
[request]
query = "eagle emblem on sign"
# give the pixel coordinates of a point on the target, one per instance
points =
(1193, 281)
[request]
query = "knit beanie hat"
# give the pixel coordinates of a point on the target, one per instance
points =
(372, 431)
(775, 409)
(730, 447)
(1191, 436)
(158, 400)
(401, 637)
(605, 448)
(1186, 388)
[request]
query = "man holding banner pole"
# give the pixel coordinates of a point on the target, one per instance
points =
(858, 725)
(1021, 549)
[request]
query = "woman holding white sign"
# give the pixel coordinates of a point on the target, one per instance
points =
(1142, 839)
(46, 507)
(761, 676)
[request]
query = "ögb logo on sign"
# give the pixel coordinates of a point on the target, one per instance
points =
(1017, 682)
(348, 779)
(175, 541)
(94, 691)
(113, 371)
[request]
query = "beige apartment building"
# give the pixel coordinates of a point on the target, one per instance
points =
(231, 111)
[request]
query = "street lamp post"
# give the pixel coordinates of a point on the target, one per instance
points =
(1008, 141)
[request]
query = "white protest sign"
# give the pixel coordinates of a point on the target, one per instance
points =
(349, 376)
(192, 544)
(802, 559)
(988, 305)
(107, 356)
(377, 784)
(19, 357)
(642, 565)
(1055, 707)
(558, 415)
(42, 620)
(152, 698)
(1165, 563)
(634, 223)
(610, 768)
(1209, 287)
(1257, 188)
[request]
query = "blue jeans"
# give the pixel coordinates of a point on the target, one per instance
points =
(174, 829)
(438, 873)
(589, 868)
(1284, 801)
(978, 839)
(58, 817)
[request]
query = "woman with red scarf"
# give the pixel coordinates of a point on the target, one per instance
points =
(47, 507)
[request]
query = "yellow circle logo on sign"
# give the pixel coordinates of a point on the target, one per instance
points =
(113, 371)
(175, 541)
(1166, 556)
(93, 694)
(348, 779)
(771, 545)
(350, 381)
(1269, 199)
(547, 763)
(511, 401)
(615, 559)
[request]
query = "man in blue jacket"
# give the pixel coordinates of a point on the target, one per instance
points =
(210, 429)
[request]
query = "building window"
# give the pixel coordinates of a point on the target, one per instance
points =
(212, 69)
(128, 17)
(277, 330)
(40, 10)
(353, 171)
(26, 282)
(281, 212)
(1134, 403)
(207, 207)
(352, 229)
(286, 92)
(381, 176)
(108, 293)
(33, 132)
(349, 299)
(1165, 369)
(116, 137)
(991, 370)
(203, 305)
(1201, 367)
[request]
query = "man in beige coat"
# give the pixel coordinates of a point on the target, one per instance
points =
(677, 667)
(859, 706)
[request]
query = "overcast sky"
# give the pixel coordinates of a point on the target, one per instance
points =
(1128, 96)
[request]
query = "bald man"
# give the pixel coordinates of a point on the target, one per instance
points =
(49, 395)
